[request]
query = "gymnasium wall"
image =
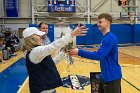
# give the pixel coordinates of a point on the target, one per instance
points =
(136, 33)
(25, 12)
(125, 33)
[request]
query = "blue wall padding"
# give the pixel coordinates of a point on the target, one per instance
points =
(89, 34)
(51, 32)
(136, 30)
(88, 39)
(72, 26)
(33, 25)
(93, 35)
(97, 35)
(123, 32)
(80, 40)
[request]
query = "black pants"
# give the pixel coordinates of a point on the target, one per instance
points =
(110, 87)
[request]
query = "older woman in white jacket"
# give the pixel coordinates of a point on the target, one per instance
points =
(43, 74)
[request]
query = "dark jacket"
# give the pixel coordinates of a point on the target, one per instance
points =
(42, 76)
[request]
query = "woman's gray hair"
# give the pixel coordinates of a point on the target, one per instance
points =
(30, 42)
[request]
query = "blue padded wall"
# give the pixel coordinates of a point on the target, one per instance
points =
(123, 32)
(72, 26)
(89, 35)
(33, 25)
(93, 35)
(51, 32)
(136, 30)
(97, 35)
(80, 40)
(88, 39)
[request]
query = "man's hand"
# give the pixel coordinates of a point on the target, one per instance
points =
(79, 31)
(73, 52)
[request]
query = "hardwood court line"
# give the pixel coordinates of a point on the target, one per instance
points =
(131, 84)
(131, 60)
(133, 69)
(131, 76)
(126, 88)
(131, 72)
(9, 62)
(130, 66)
(132, 50)
(23, 86)
(128, 59)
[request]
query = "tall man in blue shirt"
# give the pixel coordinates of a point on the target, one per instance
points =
(107, 54)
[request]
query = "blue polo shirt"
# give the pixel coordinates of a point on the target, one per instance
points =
(107, 54)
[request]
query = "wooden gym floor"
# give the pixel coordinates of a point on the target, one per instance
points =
(129, 59)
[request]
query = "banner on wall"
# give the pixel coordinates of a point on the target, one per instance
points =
(11, 8)
(61, 5)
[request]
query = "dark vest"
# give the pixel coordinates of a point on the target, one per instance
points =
(42, 76)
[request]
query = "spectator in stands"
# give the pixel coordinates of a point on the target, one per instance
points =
(16, 39)
(4, 44)
(7, 34)
(10, 43)
(1, 43)
(43, 74)
(108, 55)
(1, 47)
